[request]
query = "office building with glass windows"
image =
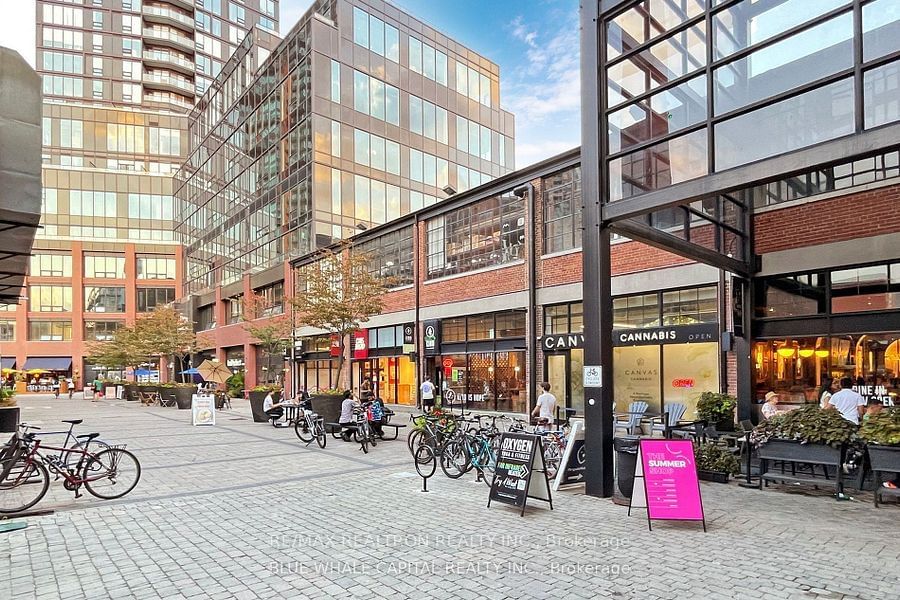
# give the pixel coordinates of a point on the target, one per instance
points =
(360, 116)
(118, 79)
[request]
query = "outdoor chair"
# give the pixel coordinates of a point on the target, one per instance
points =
(631, 421)
(671, 416)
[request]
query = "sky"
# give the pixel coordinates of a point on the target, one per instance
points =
(535, 43)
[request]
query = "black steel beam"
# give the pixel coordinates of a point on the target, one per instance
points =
(670, 243)
(820, 155)
(598, 401)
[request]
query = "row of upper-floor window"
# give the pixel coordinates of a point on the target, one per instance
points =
(384, 40)
(90, 203)
(111, 137)
(59, 330)
(58, 298)
(115, 164)
(269, 301)
(53, 231)
(102, 266)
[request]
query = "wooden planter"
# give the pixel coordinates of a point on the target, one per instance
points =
(714, 476)
(256, 403)
(795, 457)
(9, 419)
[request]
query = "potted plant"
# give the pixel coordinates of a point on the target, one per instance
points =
(715, 463)
(167, 392)
(257, 397)
(131, 390)
(881, 432)
(327, 404)
(9, 411)
(235, 385)
(717, 409)
(183, 393)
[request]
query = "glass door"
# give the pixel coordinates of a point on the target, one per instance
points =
(557, 377)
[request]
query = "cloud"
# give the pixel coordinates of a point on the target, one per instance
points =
(544, 90)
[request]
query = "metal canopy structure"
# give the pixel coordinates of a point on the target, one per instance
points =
(20, 170)
(670, 148)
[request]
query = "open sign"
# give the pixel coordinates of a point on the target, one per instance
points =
(684, 382)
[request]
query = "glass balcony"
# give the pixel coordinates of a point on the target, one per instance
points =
(172, 37)
(161, 79)
(169, 59)
(168, 15)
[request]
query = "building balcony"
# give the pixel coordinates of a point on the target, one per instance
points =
(162, 58)
(187, 5)
(170, 38)
(168, 16)
(167, 100)
(168, 82)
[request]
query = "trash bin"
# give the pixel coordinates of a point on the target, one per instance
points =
(626, 457)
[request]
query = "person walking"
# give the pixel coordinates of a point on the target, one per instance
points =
(545, 407)
(427, 389)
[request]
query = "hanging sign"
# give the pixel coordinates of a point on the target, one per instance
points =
(361, 344)
(592, 376)
(520, 472)
(335, 348)
(666, 482)
(431, 337)
(573, 463)
(203, 409)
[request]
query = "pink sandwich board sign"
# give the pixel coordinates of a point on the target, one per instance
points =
(666, 483)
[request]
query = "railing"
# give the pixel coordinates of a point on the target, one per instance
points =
(168, 57)
(169, 13)
(169, 35)
(167, 100)
(182, 84)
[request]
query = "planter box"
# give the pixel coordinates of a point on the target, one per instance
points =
(884, 458)
(256, 404)
(131, 392)
(714, 476)
(167, 394)
(327, 406)
(9, 419)
(183, 397)
(792, 453)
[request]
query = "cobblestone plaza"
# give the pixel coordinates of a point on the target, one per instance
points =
(243, 510)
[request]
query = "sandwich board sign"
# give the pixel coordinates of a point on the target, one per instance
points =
(666, 482)
(572, 464)
(203, 409)
(520, 473)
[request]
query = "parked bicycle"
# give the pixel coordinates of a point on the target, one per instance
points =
(26, 463)
(310, 426)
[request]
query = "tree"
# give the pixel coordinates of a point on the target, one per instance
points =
(341, 294)
(121, 351)
(166, 332)
(270, 330)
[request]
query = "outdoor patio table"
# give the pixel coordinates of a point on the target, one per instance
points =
(291, 412)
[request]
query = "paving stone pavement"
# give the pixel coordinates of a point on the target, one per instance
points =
(243, 510)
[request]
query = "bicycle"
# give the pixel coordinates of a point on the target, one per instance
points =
(471, 449)
(362, 430)
(80, 442)
(310, 426)
(25, 478)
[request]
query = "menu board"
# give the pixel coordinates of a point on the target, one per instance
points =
(666, 476)
(203, 409)
(520, 472)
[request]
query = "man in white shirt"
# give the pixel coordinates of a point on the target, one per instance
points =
(850, 404)
(274, 410)
(427, 394)
(545, 407)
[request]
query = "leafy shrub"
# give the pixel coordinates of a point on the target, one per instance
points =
(882, 428)
(807, 425)
(235, 385)
(7, 396)
(713, 407)
(715, 458)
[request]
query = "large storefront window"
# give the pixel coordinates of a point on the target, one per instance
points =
(484, 381)
(486, 233)
(391, 372)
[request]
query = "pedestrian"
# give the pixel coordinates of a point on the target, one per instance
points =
(825, 391)
(770, 408)
(70, 386)
(55, 385)
(427, 390)
(848, 402)
(98, 388)
(545, 407)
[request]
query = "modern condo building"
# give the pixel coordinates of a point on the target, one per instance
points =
(360, 116)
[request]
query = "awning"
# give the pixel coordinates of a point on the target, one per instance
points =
(48, 363)
(8, 362)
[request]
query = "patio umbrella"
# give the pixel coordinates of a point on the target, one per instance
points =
(191, 371)
(214, 372)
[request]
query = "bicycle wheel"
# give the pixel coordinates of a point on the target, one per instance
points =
(488, 461)
(116, 474)
(94, 446)
(321, 437)
(552, 459)
(24, 485)
(301, 428)
(455, 459)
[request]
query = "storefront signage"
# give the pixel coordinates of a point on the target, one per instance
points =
(592, 376)
(447, 363)
(573, 458)
(666, 482)
(520, 472)
(361, 344)
(874, 393)
(682, 334)
(335, 348)
(684, 382)
(409, 334)
(203, 409)
(563, 341)
(234, 362)
(431, 335)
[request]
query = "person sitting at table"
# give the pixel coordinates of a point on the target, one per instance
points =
(769, 409)
(273, 410)
(346, 421)
(375, 414)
